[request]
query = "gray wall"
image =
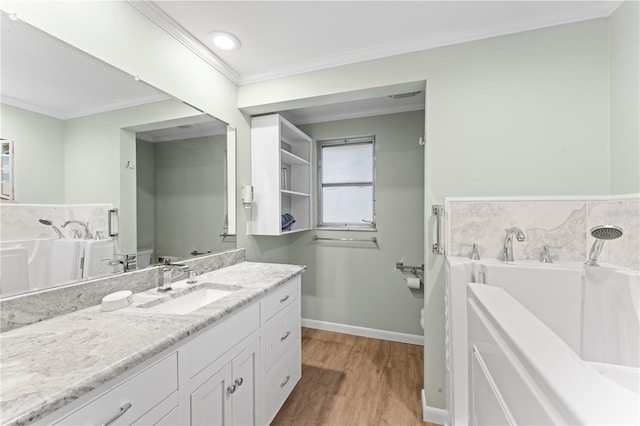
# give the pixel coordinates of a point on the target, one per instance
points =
(145, 184)
(181, 196)
(523, 114)
(357, 283)
(39, 157)
(624, 77)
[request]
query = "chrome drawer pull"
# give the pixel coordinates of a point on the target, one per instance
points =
(239, 381)
(284, 299)
(285, 335)
(231, 388)
(123, 410)
(283, 384)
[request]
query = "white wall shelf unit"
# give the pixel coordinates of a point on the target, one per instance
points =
(280, 175)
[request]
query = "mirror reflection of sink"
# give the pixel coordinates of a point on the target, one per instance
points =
(192, 299)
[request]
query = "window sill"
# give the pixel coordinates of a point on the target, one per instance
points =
(356, 229)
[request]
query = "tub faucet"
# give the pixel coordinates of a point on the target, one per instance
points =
(85, 226)
(507, 250)
(165, 275)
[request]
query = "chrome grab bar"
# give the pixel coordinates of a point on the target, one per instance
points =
(437, 210)
(361, 240)
(111, 214)
(413, 269)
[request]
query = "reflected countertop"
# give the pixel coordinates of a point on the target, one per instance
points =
(47, 365)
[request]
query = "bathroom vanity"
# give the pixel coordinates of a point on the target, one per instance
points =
(232, 361)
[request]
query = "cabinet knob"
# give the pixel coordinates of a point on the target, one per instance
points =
(239, 381)
(231, 388)
(284, 299)
(284, 336)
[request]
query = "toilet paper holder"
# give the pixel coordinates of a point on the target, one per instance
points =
(412, 269)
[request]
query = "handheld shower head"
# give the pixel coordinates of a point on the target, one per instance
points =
(606, 232)
(48, 222)
(601, 233)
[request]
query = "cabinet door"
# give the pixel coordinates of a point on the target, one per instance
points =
(247, 380)
(211, 402)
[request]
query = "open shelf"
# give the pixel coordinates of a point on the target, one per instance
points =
(294, 193)
(291, 159)
(280, 174)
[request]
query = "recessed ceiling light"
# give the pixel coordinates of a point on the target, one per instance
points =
(225, 40)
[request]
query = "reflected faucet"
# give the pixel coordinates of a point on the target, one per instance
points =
(87, 233)
(507, 250)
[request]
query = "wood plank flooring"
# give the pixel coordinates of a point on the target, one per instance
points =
(352, 380)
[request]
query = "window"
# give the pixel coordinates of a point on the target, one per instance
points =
(346, 183)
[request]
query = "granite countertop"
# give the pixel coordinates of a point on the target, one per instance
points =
(47, 365)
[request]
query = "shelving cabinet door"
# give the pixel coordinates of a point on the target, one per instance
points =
(246, 377)
(211, 403)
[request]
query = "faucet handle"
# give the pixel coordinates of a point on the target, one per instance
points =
(545, 256)
(191, 276)
(475, 254)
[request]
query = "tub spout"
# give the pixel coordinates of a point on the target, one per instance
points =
(507, 249)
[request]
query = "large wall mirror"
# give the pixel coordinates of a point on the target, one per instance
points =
(83, 139)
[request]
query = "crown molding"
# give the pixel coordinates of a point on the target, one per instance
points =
(177, 31)
(19, 103)
(612, 5)
(164, 21)
(595, 11)
(369, 112)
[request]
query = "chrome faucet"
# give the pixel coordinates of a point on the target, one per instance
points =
(85, 226)
(507, 249)
(165, 275)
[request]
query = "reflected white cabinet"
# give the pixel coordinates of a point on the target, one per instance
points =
(280, 175)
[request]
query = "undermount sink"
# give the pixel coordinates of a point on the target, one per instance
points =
(190, 301)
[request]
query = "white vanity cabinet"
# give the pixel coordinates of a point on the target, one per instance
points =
(148, 397)
(223, 367)
(229, 396)
(280, 175)
(283, 353)
(238, 371)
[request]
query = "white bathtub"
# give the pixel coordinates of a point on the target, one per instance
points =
(540, 343)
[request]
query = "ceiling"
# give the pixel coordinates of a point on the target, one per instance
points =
(210, 127)
(43, 74)
(281, 38)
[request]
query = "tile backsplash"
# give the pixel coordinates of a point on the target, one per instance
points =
(20, 221)
(562, 223)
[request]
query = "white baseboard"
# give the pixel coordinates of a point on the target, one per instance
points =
(413, 339)
(432, 414)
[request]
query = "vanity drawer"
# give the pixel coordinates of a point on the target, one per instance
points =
(281, 380)
(282, 298)
(283, 330)
(213, 343)
(134, 397)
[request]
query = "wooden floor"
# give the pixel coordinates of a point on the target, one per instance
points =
(352, 380)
